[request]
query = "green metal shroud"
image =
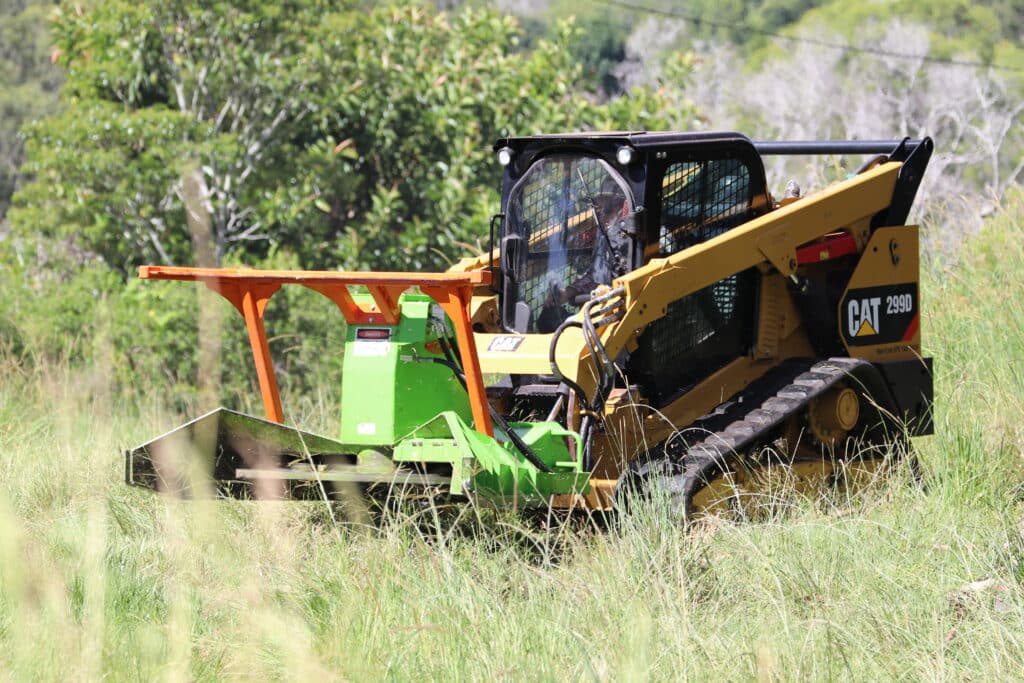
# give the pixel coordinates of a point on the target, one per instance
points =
(405, 420)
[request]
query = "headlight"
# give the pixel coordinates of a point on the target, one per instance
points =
(624, 155)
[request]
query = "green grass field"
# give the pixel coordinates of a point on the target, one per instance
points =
(900, 581)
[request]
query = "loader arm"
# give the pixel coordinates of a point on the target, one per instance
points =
(772, 238)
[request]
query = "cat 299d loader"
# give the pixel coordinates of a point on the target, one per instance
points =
(649, 318)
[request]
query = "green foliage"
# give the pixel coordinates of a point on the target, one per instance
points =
(49, 310)
(103, 179)
(601, 48)
(28, 83)
(664, 106)
(153, 90)
(958, 28)
(356, 138)
(67, 313)
(772, 15)
(412, 103)
(425, 98)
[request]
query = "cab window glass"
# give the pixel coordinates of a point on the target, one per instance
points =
(569, 229)
(702, 199)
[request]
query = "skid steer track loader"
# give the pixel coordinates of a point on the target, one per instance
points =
(648, 319)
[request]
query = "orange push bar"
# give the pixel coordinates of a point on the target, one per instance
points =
(249, 290)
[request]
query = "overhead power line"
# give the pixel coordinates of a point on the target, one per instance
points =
(621, 4)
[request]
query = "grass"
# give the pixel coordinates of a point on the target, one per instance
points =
(101, 581)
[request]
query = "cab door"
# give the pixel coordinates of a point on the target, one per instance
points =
(557, 238)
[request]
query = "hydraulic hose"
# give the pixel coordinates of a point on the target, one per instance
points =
(605, 367)
(448, 350)
(557, 372)
(602, 362)
(598, 353)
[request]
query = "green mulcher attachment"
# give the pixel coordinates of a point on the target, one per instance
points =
(413, 413)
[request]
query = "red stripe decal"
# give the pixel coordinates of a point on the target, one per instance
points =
(827, 249)
(911, 329)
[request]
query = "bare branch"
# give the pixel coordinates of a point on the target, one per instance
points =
(155, 240)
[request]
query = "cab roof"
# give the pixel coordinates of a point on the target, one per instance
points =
(637, 139)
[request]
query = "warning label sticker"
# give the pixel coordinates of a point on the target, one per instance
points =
(879, 315)
(365, 348)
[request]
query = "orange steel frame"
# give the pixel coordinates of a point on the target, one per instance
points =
(249, 290)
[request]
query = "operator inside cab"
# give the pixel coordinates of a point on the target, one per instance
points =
(570, 229)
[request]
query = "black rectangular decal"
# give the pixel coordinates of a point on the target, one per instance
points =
(879, 315)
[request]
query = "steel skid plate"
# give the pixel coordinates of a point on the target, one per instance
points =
(204, 456)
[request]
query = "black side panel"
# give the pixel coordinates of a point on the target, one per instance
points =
(696, 194)
(699, 334)
(817, 295)
(910, 382)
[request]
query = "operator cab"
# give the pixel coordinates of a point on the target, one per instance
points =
(580, 210)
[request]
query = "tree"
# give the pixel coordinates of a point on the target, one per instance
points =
(154, 90)
(355, 138)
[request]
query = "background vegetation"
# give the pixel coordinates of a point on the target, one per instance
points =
(353, 135)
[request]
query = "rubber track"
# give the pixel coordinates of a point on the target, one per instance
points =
(750, 419)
